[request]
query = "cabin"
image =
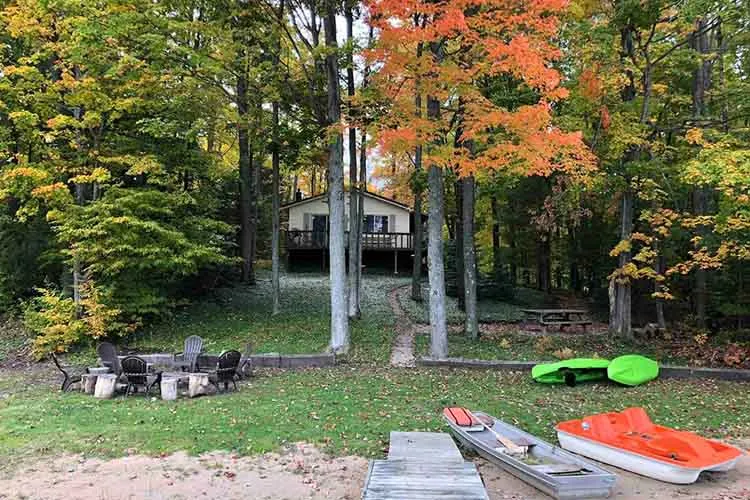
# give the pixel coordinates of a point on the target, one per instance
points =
(387, 239)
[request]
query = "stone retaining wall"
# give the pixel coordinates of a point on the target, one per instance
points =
(268, 360)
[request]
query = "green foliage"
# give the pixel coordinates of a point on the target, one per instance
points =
(52, 317)
(140, 244)
(25, 258)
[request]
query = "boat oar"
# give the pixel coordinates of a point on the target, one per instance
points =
(511, 447)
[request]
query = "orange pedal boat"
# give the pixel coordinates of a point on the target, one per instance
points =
(630, 441)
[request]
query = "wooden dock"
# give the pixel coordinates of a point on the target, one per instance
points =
(422, 466)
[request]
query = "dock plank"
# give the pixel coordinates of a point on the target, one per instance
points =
(424, 446)
(404, 480)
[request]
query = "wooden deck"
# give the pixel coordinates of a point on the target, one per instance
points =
(311, 240)
(423, 466)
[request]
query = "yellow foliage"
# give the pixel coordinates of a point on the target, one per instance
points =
(622, 247)
(701, 339)
(566, 353)
(695, 136)
(59, 323)
(543, 344)
(662, 295)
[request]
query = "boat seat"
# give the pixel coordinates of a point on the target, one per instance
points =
(680, 446)
(602, 428)
(638, 420)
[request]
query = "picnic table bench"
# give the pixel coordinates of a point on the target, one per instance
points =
(557, 317)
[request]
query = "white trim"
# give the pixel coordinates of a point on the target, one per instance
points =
(367, 194)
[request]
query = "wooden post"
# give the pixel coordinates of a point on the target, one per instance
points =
(395, 262)
(105, 386)
(197, 384)
(169, 388)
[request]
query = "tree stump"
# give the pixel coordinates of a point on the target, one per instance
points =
(169, 388)
(88, 382)
(105, 386)
(197, 383)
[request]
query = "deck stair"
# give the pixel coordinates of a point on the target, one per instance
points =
(421, 466)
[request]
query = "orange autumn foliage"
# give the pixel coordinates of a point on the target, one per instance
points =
(481, 39)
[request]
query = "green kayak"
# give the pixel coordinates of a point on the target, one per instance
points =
(571, 371)
(633, 369)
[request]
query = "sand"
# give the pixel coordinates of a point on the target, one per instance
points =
(299, 472)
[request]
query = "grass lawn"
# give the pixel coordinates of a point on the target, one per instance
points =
(348, 410)
(233, 317)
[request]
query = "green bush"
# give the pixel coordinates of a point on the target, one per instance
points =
(142, 246)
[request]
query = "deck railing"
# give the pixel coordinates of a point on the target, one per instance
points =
(311, 240)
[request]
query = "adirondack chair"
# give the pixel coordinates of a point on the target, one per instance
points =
(226, 370)
(69, 379)
(193, 349)
(135, 371)
(108, 355)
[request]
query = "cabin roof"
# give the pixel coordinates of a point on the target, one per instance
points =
(366, 193)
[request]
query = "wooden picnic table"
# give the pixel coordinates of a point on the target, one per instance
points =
(558, 317)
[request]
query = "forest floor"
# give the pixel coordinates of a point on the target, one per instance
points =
(504, 336)
(55, 445)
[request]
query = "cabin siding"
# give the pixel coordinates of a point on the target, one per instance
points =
(301, 215)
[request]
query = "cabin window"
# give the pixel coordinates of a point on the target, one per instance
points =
(376, 223)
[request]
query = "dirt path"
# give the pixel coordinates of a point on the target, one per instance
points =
(402, 353)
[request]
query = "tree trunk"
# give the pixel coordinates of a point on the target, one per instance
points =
(336, 245)
(362, 181)
(276, 181)
(276, 222)
(416, 273)
(416, 185)
(620, 321)
(701, 84)
(513, 264)
(659, 288)
(459, 245)
(361, 204)
(622, 325)
(354, 216)
(497, 270)
(80, 201)
(243, 138)
(574, 254)
(543, 266)
(469, 258)
(700, 293)
(256, 160)
(435, 266)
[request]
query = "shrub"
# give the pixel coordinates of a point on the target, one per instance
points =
(52, 317)
(59, 324)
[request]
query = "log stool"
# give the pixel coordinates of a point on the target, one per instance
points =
(197, 383)
(169, 388)
(105, 386)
